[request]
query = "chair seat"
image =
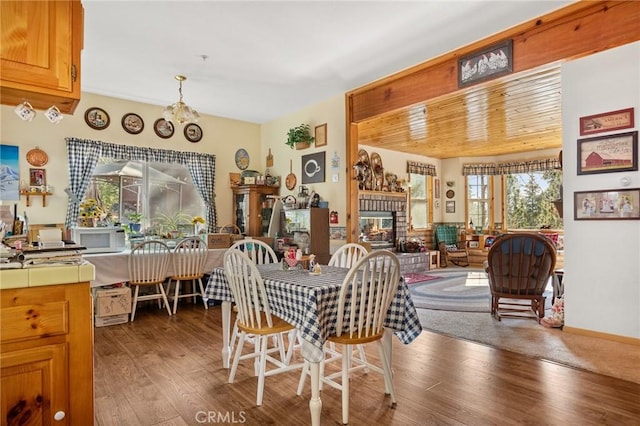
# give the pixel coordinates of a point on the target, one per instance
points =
(345, 339)
(279, 326)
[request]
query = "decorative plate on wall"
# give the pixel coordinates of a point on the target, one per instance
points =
(97, 118)
(450, 193)
(242, 159)
(132, 123)
(192, 132)
(37, 157)
(163, 128)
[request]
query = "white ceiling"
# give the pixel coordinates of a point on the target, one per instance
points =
(265, 59)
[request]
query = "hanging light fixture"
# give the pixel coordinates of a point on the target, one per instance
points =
(180, 112)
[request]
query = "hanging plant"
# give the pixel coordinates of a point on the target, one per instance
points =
(299, 134)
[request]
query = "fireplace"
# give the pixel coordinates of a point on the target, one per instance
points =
(378, 228)
(382, 218)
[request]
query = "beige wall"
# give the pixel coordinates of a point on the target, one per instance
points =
(274, 136)
(221, 137)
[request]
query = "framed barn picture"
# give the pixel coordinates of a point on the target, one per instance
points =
(606, 154)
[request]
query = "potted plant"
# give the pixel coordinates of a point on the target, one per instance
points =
(134, 221)
(298, 136)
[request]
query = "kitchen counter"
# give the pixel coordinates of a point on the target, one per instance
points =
(46, 275)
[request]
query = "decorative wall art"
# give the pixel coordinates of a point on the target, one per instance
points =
(486, 64)
(313, 167)
(242, 159)
(450, 206)
(321, 135)
(163, 128)
(9, 173)
(97, 118)
(611, 204)
(132, 123)
(436, 188)
(38, 178)
(193, 132)
(607, 122)
(37, 157)
(606, 154)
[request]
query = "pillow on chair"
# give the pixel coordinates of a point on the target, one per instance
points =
(553, 236)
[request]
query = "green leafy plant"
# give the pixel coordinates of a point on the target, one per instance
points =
(299, 134)
(134, 217)
(167, 222)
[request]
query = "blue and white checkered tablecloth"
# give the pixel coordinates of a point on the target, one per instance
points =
(309, 302)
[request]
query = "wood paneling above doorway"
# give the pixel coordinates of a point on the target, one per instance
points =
(510, 115)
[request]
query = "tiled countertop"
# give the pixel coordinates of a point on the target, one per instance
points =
(43, 276)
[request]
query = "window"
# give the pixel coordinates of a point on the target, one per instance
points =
(163, 193)
(167, 187)
(530, 200)
(419, 205)
(479, 196)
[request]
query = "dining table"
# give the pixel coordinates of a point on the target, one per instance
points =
(310, 302)
(113, 268)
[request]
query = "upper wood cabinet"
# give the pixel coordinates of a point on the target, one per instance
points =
(40, 53)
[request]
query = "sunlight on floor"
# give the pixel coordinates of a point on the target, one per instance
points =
(477, 279)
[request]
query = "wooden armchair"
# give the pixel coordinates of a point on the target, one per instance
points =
(452, 246)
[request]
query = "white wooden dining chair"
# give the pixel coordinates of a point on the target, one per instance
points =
(260, 253)
(189, 258)
(345, 257)
(148, 264)
(254, 318)
(366, 294)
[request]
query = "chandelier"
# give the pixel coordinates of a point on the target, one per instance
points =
(180, 112)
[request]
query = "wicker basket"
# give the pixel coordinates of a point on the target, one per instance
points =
(234, 230)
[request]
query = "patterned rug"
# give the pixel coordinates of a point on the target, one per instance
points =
(463, 290)
(413, 278)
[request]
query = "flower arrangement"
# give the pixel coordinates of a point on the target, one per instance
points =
(198, 224)
(90, 209)
(197, 219)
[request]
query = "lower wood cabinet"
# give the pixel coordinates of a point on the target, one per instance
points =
(46, 355)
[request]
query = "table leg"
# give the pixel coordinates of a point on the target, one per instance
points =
(226, 323)
(315, 404)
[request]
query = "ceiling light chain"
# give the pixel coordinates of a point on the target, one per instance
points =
(180, 112)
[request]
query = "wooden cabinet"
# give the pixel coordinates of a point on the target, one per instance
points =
(40, 53)
(252, 208)
(47, 355)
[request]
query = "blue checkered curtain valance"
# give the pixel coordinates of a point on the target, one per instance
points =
(507, 168)
(83, 156)
(421, 168)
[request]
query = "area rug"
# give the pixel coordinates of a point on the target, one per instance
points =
(413, 278)
(462, 290)
(527, 337)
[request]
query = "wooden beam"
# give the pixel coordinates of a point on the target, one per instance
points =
(580, 29)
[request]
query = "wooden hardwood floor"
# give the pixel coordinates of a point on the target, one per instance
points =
(162, 370)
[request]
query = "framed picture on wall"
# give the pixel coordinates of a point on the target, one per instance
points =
(612, 204)
(606, 154)
(37, 178)
(313, 167)
(450, 206)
